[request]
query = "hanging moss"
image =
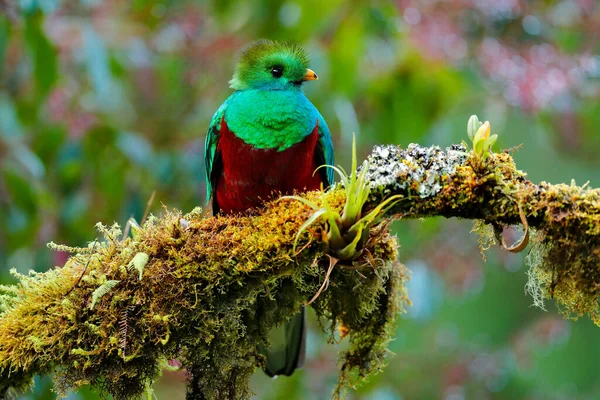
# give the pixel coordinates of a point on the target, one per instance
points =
(565, 259)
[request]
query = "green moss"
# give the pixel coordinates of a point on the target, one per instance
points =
(210, 290)
(565, 260)
(487, 187)
(486, 236)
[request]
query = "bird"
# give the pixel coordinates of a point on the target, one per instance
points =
(267, 139)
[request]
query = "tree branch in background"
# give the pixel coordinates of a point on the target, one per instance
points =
(205, 291)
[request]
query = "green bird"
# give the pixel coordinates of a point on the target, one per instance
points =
(267, 139)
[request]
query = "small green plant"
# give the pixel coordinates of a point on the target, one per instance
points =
(102, 290)
(482, 141)
(138, 263)
(347, 232)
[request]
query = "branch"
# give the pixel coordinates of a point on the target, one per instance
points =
(210, 290)
(205, 291)
(565, 257)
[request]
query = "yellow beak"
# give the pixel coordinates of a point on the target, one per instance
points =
(310, 75)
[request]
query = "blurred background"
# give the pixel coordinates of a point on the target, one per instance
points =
(103, 102)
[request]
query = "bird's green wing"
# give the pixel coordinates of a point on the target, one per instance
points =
(212, 158)
(324, 152)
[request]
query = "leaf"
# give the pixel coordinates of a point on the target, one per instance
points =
(42, 52)
(134, 226)
(490, 142)
(357, 191)
(349, 251)
(478, 146)
(482, 133)
(138, 262)
(102, 290)
(339, 170)
(4, 35)
(473, 126)
(385, 205)
(97, 64)
(316, 215)
(10, 126)
(29, 160)
(12, 133)
(20, 190)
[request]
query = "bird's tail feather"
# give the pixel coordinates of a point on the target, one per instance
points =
(288, 348)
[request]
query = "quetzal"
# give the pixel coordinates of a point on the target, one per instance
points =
(268, 139)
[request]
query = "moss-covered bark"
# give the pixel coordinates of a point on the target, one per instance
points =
(206, 290)
(565, 257)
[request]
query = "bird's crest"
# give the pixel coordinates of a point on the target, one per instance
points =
(261, 55)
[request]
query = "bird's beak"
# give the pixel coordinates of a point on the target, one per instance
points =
(310, 75)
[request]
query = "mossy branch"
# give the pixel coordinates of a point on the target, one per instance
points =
(205, 291)
(564, 258)
(200, 290)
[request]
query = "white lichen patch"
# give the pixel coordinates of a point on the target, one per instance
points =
(417, 170)
(537, 279)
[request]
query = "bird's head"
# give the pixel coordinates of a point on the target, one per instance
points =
(270, 65)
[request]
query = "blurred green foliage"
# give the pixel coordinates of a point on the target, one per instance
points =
(104, 102)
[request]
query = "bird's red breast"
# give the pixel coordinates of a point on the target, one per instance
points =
(250, 176)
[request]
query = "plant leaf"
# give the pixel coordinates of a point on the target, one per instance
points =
(102, 290)
(316, 215)
(473, 126)
(138, 262)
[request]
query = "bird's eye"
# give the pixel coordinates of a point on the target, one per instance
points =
(277, 72)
